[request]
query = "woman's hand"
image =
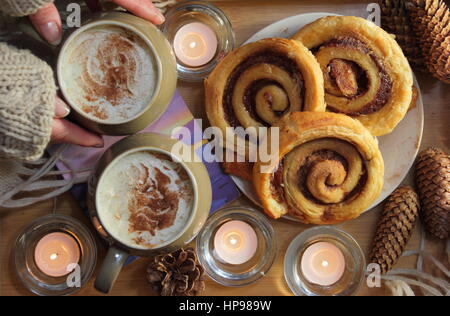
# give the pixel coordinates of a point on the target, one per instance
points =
(47, 20)
(66, 132)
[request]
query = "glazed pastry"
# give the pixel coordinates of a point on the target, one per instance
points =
(259, 83)
(365, 71)
(329, 169)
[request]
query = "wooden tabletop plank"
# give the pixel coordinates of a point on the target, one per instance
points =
(247, 17)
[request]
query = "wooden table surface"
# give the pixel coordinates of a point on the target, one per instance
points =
(247, 17)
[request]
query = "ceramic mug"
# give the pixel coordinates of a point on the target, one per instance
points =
(165, 68)
(119, 252)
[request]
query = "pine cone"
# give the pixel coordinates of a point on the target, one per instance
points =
(395, 228)
(433, 181)
(177, 274)
(395, 20)
(431, 23)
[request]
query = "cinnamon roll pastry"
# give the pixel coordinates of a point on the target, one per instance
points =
(329, 169)
(259, 83)
(366, 74)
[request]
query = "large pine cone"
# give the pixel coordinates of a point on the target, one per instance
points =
(433, 181)
(177, 274)
(395, 20)
(395, 228)
(431, 23)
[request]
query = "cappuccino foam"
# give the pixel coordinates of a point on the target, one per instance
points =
(145, 200)
(109, 73)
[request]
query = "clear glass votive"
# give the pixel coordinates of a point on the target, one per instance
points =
(258, 231)
(32, 277)
(298, 277)
(207, 31)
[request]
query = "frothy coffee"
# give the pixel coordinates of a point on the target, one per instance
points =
(109, 73)
(145, 200)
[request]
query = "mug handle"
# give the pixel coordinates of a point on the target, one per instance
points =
(111, 267)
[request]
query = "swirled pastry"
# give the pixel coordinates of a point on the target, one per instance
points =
(365, 71)
(329, 169)
(259, 83)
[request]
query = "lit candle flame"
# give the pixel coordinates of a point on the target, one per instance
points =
(235, 242)
(54, 252)
(195, 44)
(323, 264)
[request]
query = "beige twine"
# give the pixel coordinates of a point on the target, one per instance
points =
(34, 181)
(163, 5)
(399, 281)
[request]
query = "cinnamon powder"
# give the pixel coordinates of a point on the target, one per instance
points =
(117, 70)
(153, 205)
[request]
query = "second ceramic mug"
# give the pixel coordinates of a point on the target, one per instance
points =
(100, 182)
(165, 69)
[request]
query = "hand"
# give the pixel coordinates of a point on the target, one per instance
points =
(48, 22)
(66, 132)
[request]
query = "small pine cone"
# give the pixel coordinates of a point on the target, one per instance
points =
(177, 274)
(433, 181)
(395, 228)
(395, 20)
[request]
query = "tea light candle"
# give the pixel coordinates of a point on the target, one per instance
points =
(323, 264)
(236, 242)
(55, 252)
(195, 44)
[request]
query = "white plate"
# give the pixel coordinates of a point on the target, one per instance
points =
(399, 149)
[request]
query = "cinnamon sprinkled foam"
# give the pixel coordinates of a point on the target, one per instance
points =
(109, 73)
(145, 200)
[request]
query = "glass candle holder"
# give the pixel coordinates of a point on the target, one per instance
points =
(324, 261)
(35, 236)
(201, 36)
(237, 246)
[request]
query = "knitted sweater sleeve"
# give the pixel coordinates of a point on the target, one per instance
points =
(22, 7)
(27, 100)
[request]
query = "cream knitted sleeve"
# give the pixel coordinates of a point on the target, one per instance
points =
(27, 101)
(22, 7)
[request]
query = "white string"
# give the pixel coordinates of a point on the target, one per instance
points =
(49, 164)
(436, 262)
(437, 281)
(400, 288)
(422, 248)
(28, 172)
(162, 5)
(395, 278)
(55, 204)
(32, 183)
(401, 285)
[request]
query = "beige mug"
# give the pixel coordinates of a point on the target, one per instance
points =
(119, 252)
(165, 70)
